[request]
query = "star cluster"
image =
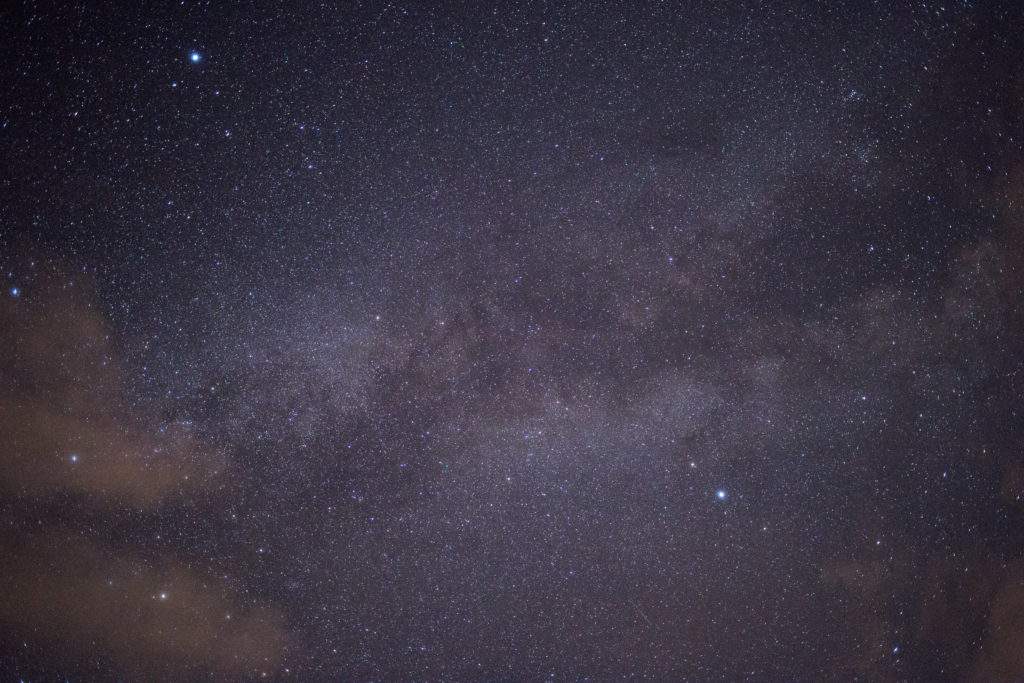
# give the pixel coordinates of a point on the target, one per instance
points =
(459, 341)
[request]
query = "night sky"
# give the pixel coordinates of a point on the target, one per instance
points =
(511, 341)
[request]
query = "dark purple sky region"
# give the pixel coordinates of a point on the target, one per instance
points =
(488, 342)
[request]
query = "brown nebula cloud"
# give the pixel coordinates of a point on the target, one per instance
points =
(164, 621)
(1002, 657)
(72, 434)
(68, 422)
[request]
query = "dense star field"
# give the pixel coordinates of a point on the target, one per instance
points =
(460, 341)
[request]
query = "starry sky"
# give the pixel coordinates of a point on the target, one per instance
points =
(511, 340)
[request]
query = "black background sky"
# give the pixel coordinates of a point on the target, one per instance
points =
(538, 339)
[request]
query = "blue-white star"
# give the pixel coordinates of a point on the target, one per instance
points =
(720, 494)
(195, 57)
(15, 291)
